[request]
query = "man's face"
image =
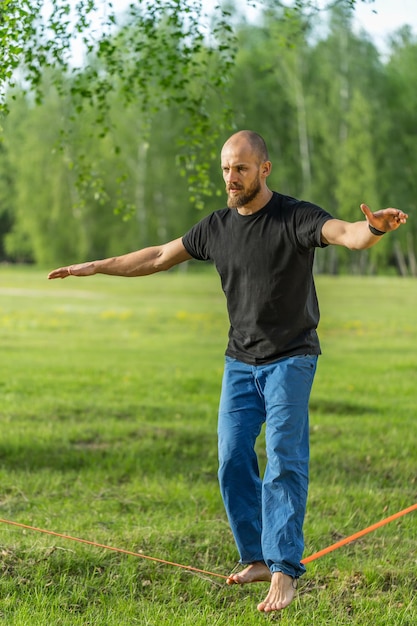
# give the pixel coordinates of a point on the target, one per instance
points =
(241, 173)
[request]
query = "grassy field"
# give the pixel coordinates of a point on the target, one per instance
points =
(109, 391)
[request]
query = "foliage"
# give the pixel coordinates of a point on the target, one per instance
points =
(148, 85)
(160, 53)
(398, 179)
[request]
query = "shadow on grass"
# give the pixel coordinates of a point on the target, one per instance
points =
(334, 407)
(120, 445)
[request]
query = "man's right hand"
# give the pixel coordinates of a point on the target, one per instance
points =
(82, 269)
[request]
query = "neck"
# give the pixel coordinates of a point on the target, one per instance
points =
(257, 203)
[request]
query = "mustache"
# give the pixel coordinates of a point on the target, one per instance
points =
(234, 187)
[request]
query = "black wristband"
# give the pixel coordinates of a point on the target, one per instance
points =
(375, 231)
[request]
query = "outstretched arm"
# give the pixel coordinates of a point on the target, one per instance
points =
(139, 263)
(357, 235)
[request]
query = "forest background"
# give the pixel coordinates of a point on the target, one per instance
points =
(98, 172)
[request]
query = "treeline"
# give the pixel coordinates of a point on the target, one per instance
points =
(339, 120)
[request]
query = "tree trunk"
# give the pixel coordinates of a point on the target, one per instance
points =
(401, 262)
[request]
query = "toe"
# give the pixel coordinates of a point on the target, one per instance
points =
(232, 580)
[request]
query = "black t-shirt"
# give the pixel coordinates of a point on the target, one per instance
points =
(265, 262)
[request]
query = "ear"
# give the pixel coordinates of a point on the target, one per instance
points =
(266, 168)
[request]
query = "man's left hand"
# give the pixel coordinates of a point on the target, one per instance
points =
(385, 219)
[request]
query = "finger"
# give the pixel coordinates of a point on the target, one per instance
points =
(62, 272)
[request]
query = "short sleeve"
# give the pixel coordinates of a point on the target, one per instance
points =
(309, 221)
(196, 240)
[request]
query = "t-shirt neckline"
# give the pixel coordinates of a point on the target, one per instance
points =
(261, 211)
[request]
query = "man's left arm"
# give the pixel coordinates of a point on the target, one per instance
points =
(363, 234)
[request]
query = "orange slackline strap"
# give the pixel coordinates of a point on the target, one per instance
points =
(313, 557)
(100, 545)
(361, 533)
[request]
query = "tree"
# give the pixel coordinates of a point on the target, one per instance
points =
(344, 136)
(357, 179)
(297, 90)
(7, 190)
(164, 66)
(399, 182)
(153, 52)
(53, 224)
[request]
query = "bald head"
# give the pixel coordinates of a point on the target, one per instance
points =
(249, 139)
(245, 166)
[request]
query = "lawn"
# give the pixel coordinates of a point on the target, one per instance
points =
(109, 391)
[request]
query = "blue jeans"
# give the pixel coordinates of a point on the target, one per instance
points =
(266, 516)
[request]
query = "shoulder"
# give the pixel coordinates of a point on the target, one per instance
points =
(214, 221)
(289, 202)
(287, 205)
(303, 221)
(198, 241)
(221, 215)
(215, 216)
(303, 208)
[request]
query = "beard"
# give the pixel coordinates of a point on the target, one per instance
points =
(245, 197)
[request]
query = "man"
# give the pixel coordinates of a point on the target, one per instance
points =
(263, 248)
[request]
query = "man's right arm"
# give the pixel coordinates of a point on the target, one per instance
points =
(139, 263)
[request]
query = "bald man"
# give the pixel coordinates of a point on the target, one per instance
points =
(263, 247)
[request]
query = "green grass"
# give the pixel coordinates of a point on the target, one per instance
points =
(109, 390)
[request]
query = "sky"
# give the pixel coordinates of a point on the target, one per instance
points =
(382, 17)
(379, 18)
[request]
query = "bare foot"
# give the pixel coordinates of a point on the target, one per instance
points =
(253, 573)
(280, 595)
